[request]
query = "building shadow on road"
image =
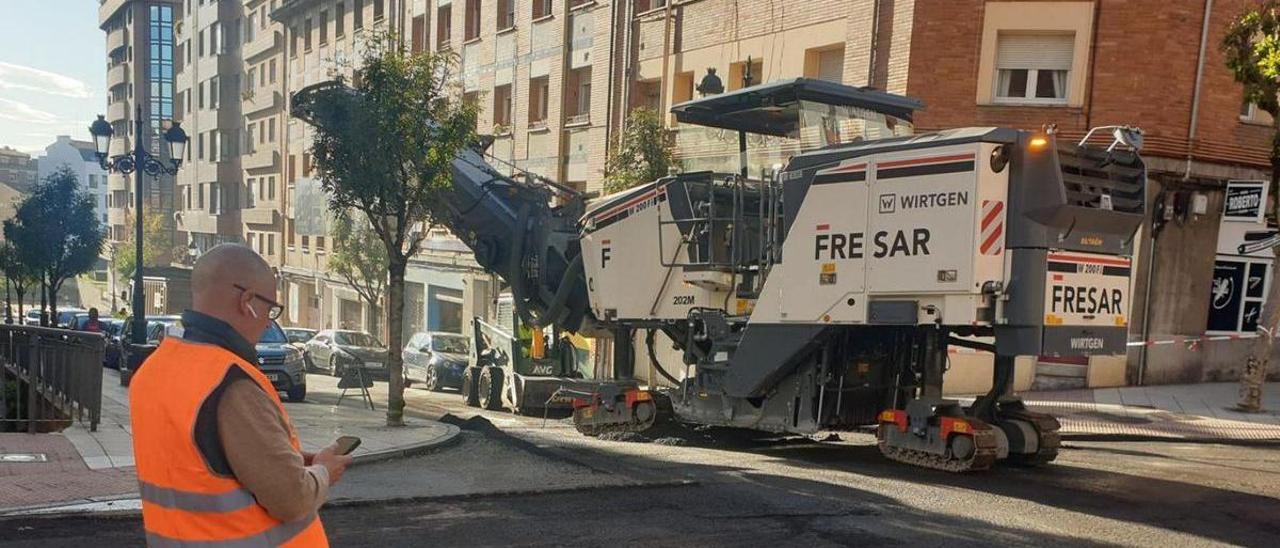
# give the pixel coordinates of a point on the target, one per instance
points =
(1192, 506)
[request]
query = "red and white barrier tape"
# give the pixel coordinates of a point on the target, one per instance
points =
(1193, 342)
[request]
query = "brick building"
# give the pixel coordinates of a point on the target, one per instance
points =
(664, 50)
(1086, 64)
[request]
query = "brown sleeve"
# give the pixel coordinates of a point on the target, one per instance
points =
(255, 439)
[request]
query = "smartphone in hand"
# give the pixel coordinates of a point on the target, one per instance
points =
(347, 444)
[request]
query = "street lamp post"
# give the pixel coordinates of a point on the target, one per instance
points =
(136, 162)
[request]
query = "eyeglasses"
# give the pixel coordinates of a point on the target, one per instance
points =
(276, 308)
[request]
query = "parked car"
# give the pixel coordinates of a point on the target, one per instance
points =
(282, 363)
(64, 319)
(81, 319)
(66, 316)
(298, 337)
(334, 350)
(436, 360)
(111, 329)
(156, 326)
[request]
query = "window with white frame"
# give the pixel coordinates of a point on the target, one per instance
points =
(1033, 68)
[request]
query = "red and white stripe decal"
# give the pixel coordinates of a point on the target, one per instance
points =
(992, 227)
(626, 205)
(923, 161)
(850, 168)
(1109, 261)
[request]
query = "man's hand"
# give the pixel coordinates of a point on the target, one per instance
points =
(336, 464)
(308, 458)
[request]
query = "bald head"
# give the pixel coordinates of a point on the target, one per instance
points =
(216, 284)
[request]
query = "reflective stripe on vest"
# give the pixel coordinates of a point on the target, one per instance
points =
(229, 501)
(274, 536)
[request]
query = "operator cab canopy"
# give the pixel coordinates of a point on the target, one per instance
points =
(786, 107)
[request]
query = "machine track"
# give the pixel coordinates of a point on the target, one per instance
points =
(591, 425)
(984, 453)
(1047, 428)
(594, 430)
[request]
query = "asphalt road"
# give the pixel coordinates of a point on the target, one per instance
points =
(533, 485)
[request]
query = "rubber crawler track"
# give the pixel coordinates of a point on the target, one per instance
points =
(983, 457)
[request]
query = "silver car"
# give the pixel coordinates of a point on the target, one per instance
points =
(336, 350)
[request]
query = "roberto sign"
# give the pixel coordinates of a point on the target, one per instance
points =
(1245, 201)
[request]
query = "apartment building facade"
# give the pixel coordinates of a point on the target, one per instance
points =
(668, 47)
(320, 40)
(554, 80)
(140, 66)
(210, 70)
(17, 169)
(262, 105)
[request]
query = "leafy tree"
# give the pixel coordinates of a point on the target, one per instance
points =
(384, 147)
(56, 234)
(643, 154)
(16, 273)
(360, 258)
(25, 244)
(1252, 51)
(157, 248)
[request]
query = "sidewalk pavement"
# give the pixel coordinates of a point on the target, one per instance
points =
(82, 467)
(1188, 412)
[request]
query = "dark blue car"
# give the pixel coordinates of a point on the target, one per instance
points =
(436, 360)
(282, 363)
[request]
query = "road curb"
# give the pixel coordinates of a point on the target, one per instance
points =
(1166, 439)
(76, 507)
(449, 438)
(50, 510)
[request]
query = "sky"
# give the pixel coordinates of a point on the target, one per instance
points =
(53, 71)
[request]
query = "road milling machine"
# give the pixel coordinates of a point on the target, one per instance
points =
(823, 291)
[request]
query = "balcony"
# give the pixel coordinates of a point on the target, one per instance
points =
(576, 157)
(226, 223)
(266, 156)
(118, 110)
(116, 216)
(263, 43)
(109, 8)
(118, 182)
(117, 75)
(259, 100)
(264, 214)
(120, 144)
(226, 62)
(117, 39)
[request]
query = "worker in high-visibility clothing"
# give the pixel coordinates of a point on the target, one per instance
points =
(218, 461)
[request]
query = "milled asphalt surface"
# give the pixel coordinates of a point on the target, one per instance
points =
(551, 486)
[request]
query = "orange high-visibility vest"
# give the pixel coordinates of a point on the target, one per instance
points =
(184, 499)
